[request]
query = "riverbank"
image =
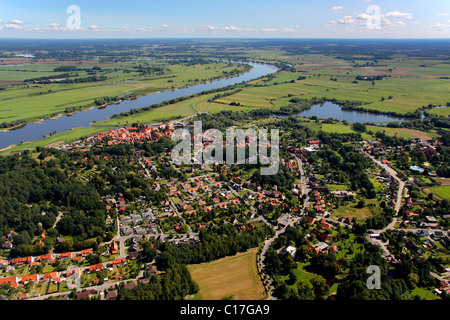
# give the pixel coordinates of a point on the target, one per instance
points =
(91, 115)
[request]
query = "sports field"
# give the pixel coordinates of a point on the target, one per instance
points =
(442, 191)
(235, 276)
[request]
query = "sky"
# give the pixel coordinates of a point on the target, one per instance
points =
(225, 19)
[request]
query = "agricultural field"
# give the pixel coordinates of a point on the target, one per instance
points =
(234, 276)
(32, 100)
(403, 132)
(409, 85)
(444, 112)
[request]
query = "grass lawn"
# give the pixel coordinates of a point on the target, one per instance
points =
(350, 211)
(301, 273)
(337, 128)
(424, 293)
(235, 276)
(337, 187)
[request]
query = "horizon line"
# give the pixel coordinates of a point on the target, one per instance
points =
(218, 38)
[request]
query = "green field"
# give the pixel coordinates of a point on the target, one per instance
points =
(403, 132)
(444, 112)
(443, 191)
(410, 85)
(64, 137)
(42, 100)
(424, 293)
(337, 128)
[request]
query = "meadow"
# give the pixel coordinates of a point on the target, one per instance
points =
(411, 83)
(56, 139)
(403, 132)
(235, 276)
(32, 101)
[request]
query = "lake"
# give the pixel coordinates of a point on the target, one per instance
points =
(35, 131)
(331, 110)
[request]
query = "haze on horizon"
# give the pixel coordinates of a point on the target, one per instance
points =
(231, 19)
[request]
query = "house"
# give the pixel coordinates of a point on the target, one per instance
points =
(95, 267)
(50, 275)
(319, 247)
(10, 234)
(438, 234)
(113, 249)
(30, 277)
(152, 270)
(289, 249)
(87, 252)
(9, 280)
(118, 262)
(77, 258)
(322, 236)
(324, 224)
(65, 256)
(423, 233)
(223, 205)
(21, 261)
(130, 285)
(111, 295)
(6, 245)
(133, 255)
(85, 294)
(314, 144)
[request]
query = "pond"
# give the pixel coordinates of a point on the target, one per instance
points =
(331, 110)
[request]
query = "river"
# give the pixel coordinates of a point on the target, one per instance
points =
(36, 131)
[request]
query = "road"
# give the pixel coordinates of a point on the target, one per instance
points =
(304, 186)
(392, 173)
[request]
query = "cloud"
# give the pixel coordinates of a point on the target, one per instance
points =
(363, 16)
(440, 25)
(13, 26)
(233, 28)
(346, 20)
(54, 26)
(397, 14)
(16, 21)
(93, 27)
(441, 14)
(278, 30)
(337, 8)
